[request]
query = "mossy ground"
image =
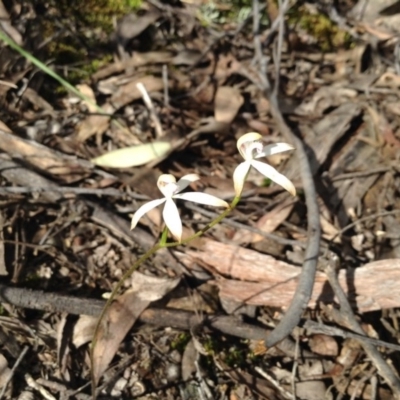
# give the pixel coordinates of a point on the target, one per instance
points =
(82, 47)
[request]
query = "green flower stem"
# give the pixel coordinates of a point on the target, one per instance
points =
(214, 222)
(163, 244)
(164, 237)
(114, 292)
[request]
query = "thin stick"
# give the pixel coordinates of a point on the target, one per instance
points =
(34, 385)
(13, 369)
(69, 190)
(276, 384)
(278, 50)
(230, 222)
(364, 219)
(307, 276)
(150, 106)
(165, 82)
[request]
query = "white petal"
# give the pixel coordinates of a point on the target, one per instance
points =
(145, 208)
(239, 176)
(172, 219)
(167, 184)
(248, 137)
(185, 181)
(202, 198)
(274, 175)
(274, 148)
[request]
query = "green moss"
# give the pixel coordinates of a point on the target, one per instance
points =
(181, 341)
(235, 357)
(211, 346)
(266, 182)
(82, 48)
(222, 12)
(326, 33)
(84, 72)
(234, 354)
(97, 13)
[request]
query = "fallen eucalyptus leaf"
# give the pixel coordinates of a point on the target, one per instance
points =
(133, 156)
(122, 314)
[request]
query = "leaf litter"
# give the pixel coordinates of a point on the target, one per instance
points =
(71, 178)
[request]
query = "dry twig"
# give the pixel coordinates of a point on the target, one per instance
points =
(306, 279)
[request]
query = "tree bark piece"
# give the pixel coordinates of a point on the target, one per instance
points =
(254, 278)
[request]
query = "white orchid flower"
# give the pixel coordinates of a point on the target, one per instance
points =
(170, 188)
(250, 148)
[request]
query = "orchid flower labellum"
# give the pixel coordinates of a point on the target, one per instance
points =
(171, 189)
(250, 148)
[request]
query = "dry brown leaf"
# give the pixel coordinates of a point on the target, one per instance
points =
(366, 10)
(132, 25)
(5, 372)
(5, 23)
(349, 353)
(388, 79)
(94, 124)
(329, 231)
(83, 330)
(88, 92)
(382, 125)
(137, 60)
(267, 223)
(227, 103)
(312, 390)
(324, 345)
(129, 92)
(98, 124)
(189, 359)
(122, 314)
(324, 98)
(4, 127)
(63, 348)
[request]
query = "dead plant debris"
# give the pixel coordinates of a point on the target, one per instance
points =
(193, 76)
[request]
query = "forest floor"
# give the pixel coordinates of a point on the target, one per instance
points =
(288, 297)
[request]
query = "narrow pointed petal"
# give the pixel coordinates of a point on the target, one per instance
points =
(239, 176)
(274, 175)
(274, 148)
(145, 208)
(172, 219)
(247, 138)
(202, 198)
(185, 181)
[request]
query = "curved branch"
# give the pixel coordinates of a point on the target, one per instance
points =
(307, 276)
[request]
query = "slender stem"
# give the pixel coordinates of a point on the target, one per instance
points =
(164, 237)
(114, 292)
(163, 244)
(214, 222)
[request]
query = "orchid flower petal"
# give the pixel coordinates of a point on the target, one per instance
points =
(239, 176)
(246, 140)
(185, 181)
(145, 208)
(167, 185)
(274, 148)
(202, 198)
(172, 219)
(274, 175)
